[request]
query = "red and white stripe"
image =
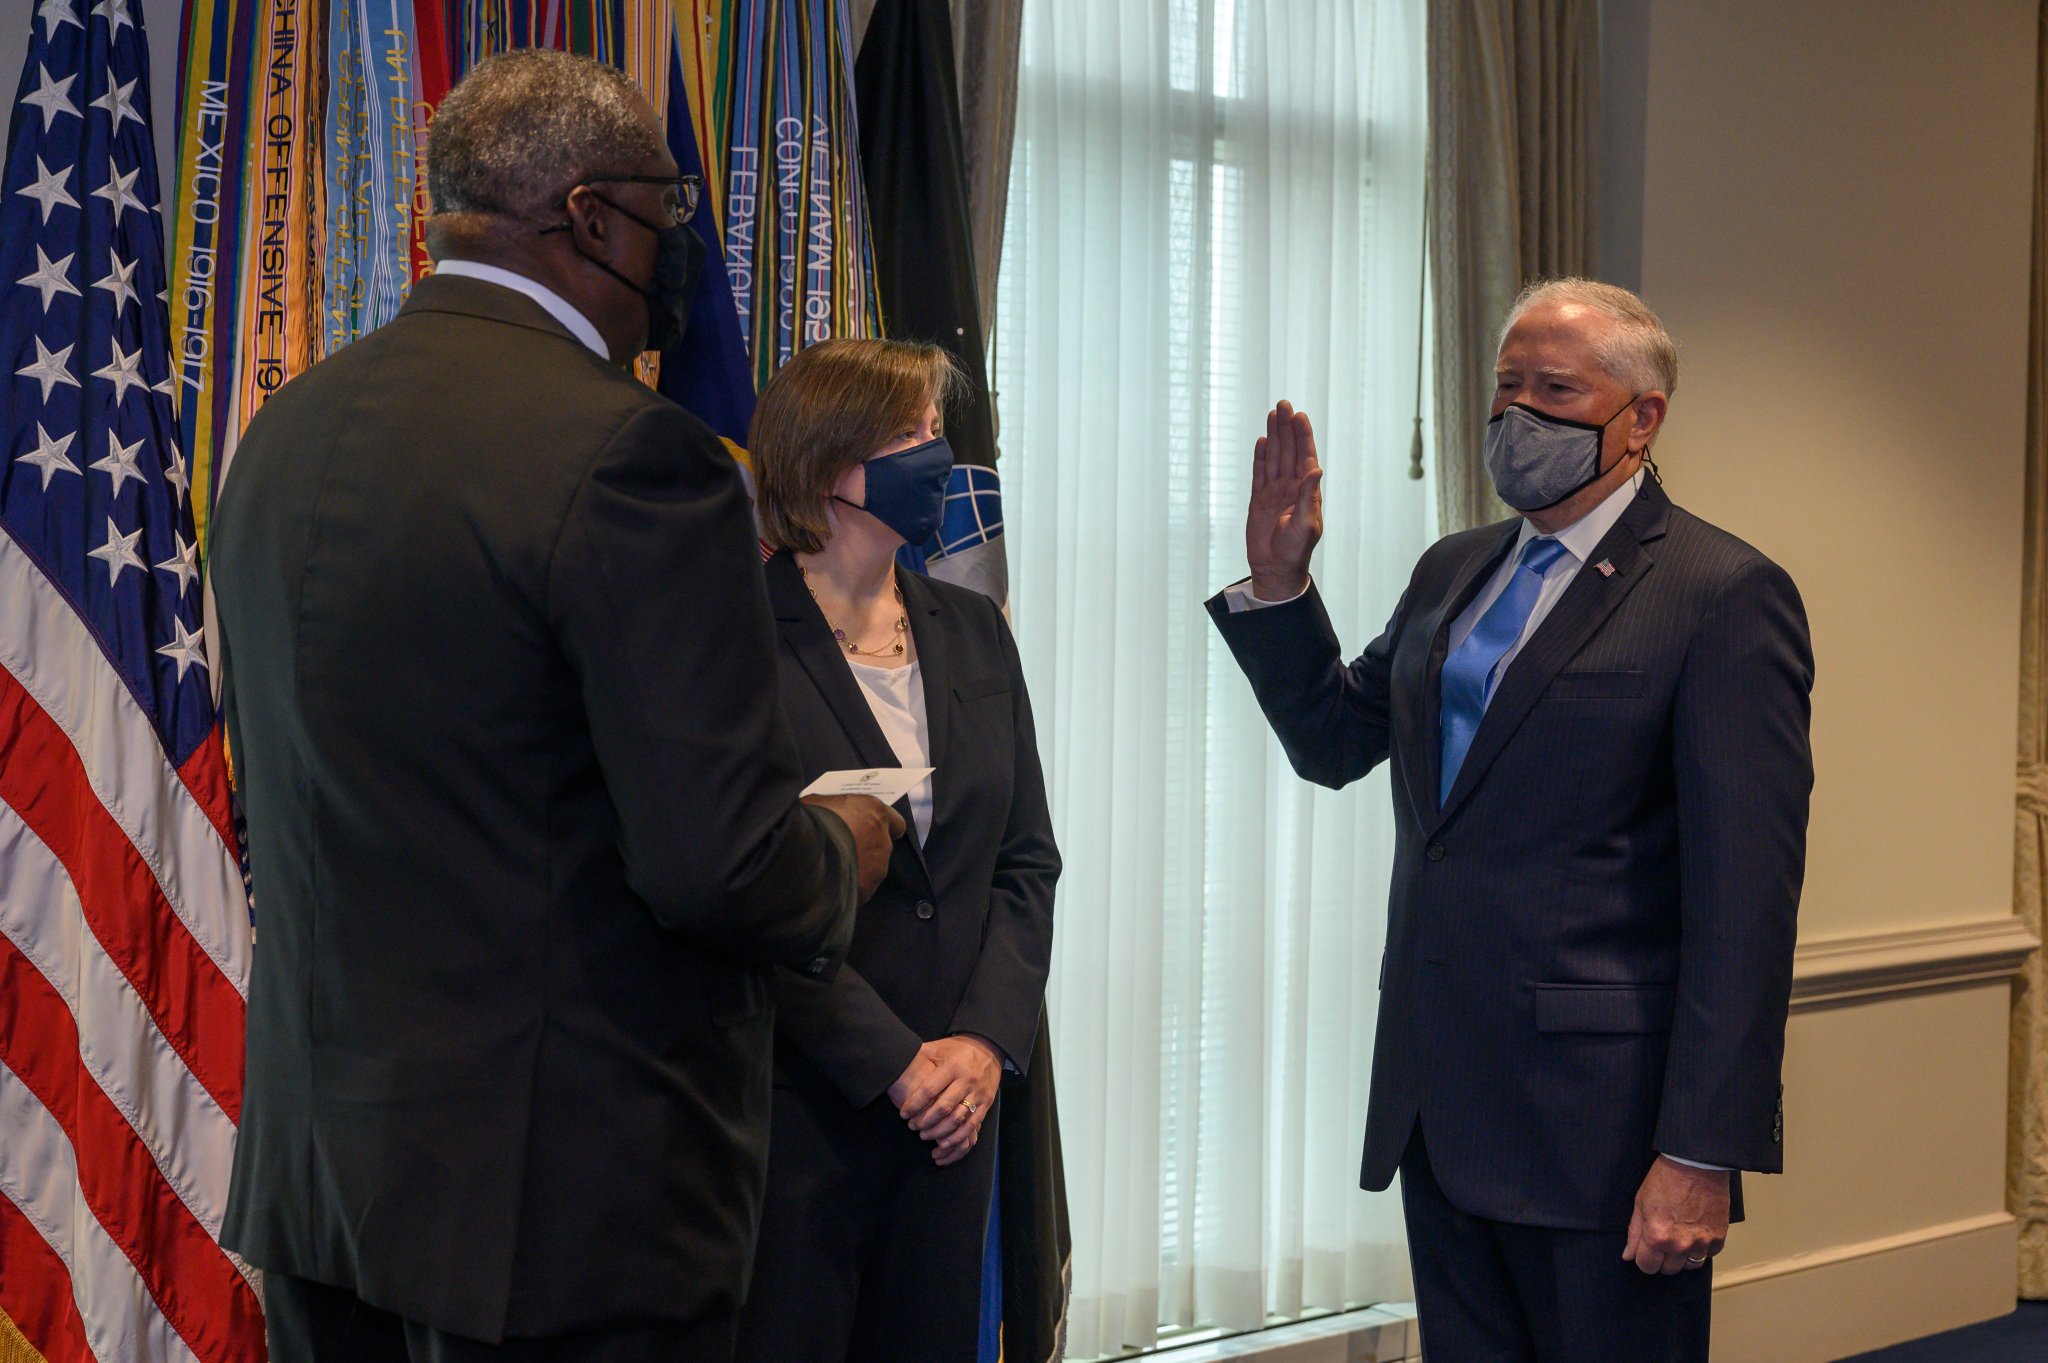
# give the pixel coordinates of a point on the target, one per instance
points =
(124, 964)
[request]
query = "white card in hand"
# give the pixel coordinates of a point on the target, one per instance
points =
(887, 784)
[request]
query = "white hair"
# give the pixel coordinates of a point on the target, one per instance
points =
(1639, 352)
(525, 127)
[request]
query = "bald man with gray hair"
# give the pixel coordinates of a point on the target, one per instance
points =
(1594, 716)
(523, 812)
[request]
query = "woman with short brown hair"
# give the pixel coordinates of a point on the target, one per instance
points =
(878, 1183)
(828, 411)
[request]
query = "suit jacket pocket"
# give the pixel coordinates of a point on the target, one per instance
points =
(1605, 1007)
(1597, 685)
(974, 688)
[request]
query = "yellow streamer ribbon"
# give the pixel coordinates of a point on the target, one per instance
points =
(281, 301)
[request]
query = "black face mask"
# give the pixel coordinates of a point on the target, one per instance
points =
(678, 260)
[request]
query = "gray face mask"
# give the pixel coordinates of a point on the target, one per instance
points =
(1538, 460)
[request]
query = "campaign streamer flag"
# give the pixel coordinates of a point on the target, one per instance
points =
(633, 35)
(795, 213)
(647, 53)
(124, 927)
(214, 98)
(278, 330)
(372, 92)
(915, 168)
(430, 32)
(705, 51)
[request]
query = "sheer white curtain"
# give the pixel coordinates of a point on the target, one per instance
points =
(1213, 204)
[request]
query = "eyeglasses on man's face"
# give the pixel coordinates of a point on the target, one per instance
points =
(680, 201)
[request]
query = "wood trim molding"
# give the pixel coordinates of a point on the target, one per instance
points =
(1833, 969)
(1813, 1307)
(1843, 1254)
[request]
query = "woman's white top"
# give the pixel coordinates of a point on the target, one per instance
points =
(896, 695)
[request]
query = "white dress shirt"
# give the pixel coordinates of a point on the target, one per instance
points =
(1579, 539)
(557, 306)
(896, 695)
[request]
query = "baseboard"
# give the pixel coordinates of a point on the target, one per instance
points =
(1817, 1308)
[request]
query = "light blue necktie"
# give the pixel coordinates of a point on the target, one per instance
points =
(1468, 678)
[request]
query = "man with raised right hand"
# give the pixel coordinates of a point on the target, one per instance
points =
(523, 819)
(1595, 715)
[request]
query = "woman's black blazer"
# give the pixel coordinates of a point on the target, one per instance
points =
(959, 936)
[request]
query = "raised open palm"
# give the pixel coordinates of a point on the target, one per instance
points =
(1285, 518)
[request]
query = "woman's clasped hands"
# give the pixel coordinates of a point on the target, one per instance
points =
(947, 1092)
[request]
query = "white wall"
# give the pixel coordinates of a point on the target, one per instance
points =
(1830, 205)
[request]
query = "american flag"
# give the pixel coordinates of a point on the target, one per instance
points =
(124, 926)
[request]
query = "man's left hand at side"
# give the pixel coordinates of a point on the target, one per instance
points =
(1681, 1218)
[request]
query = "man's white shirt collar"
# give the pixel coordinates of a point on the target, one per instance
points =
(1583, 535)
(557, 306)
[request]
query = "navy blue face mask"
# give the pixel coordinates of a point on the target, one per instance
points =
(907, 489)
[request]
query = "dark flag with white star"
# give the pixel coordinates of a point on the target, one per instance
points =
(124, 925)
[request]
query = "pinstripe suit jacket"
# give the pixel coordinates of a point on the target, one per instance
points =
(1589, 942)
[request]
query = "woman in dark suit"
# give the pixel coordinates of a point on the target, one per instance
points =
(887, 1076)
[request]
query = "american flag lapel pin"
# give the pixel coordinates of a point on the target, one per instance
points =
(1606, 567)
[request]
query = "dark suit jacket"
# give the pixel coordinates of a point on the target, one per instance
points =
(523, 831)
(959, 937)
(1589, 945)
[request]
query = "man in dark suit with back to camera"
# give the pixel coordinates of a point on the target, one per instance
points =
(523, 816)
(1596, 718)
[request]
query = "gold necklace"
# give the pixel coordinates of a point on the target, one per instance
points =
(894, 650)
